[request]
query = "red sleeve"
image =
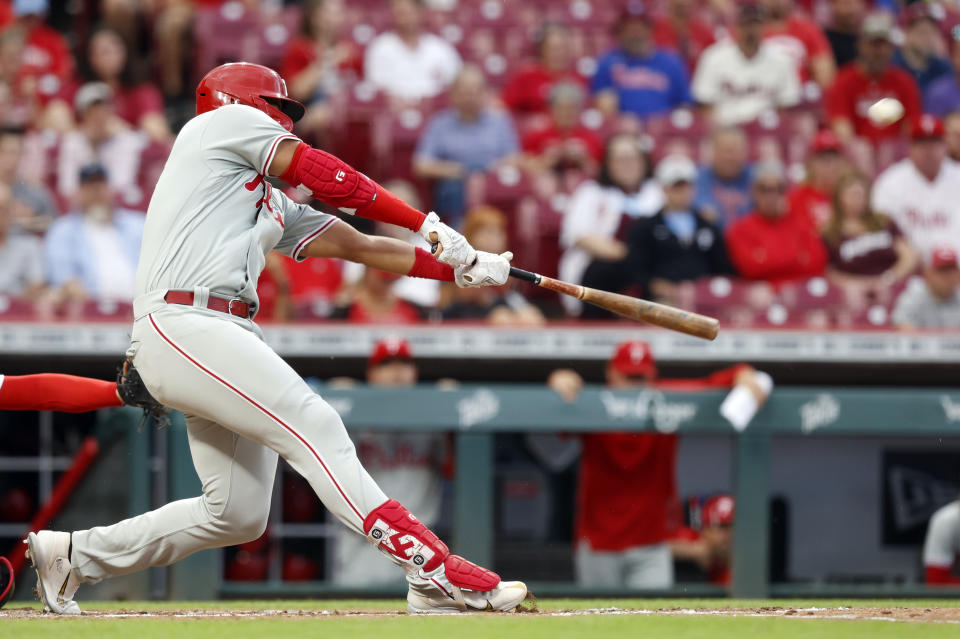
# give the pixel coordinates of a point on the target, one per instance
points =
(513, 92)
(815, 40)
(742, 246)
(298, 58)
(839, 100)
(723, 378)
(533, 142)
(941, 576)
(51, 391)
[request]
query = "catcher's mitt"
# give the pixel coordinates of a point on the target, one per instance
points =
(133, 393)
(6, 581)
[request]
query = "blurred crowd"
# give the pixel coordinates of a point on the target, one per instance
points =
(712, 154)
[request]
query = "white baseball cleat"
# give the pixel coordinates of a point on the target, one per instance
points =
(48, 552)
(461, 586)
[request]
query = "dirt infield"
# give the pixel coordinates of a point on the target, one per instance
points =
(893, 614)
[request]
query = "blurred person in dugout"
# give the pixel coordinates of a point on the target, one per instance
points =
(932, 301)
(868, 254)
(470, 137)
(92, 252)
(707, 541)
(627, 508)
(486, 229)
(941, 547)
(413, 465)
(600, 211)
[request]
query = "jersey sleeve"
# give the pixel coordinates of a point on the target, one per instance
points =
(301, 225)
(940, 545)
(240, 134)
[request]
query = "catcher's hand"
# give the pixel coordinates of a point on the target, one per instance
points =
(6, 581)
(133, 393)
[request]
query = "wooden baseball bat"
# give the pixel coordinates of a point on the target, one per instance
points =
(630, 307)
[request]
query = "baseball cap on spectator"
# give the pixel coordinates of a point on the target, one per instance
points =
(944, 257)
(826, 141)
(877, 26)
(92, 93)
(751, 12)
(676, 168)
(92, 172)
(718, 511)
(30, 7)
(927, 127)
(634, 359)
(388, 349)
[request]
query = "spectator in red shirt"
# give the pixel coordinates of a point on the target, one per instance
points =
(771, 244)
(374, 302)
(46, 64)
(802, 40)
(627, 507)
(563, 143)
(137, 103)
(528, 90)
(319, 61)
(872, 77)
(680, 28)
(825, 163)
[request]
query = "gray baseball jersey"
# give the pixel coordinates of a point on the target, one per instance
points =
(213, 216)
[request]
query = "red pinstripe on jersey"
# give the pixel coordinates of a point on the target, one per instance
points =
(262, 409)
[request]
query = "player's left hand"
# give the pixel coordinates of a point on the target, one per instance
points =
(449, 246)
(490, 269)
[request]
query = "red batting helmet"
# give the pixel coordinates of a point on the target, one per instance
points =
(250, 84)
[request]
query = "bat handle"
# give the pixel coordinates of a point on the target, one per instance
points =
(526, 276)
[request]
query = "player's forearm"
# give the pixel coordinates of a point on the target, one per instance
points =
(382, 253)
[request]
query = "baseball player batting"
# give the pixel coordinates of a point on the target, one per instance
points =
(210, 224)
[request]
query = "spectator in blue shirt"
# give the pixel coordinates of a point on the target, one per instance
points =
(636, 77)
(919, 55)
(723, 188)
(92, 252)
(467, 138)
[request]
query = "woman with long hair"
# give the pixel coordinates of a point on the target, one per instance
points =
(868, 252)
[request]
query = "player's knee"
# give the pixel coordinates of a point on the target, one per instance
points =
(245, 523)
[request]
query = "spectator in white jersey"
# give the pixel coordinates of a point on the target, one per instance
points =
(934, 300)
(741, 78)
(92, 252)
(921, 192)
(941, 548)
(409, 63)
(412, 464)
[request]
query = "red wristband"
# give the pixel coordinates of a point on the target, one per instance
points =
(426, 265)
(387, 207)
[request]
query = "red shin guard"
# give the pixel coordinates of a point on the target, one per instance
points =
(469, 575)
(396, 531)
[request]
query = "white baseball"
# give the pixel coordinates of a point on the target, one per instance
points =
(885, 111)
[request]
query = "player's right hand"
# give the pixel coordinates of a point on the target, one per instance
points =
(489, 269)
(450, 247)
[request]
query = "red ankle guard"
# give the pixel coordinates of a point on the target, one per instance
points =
(469, 575)
(396, 531)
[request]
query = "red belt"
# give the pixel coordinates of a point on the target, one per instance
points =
(234, 306)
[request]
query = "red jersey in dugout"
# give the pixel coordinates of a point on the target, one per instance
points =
(627, 495)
